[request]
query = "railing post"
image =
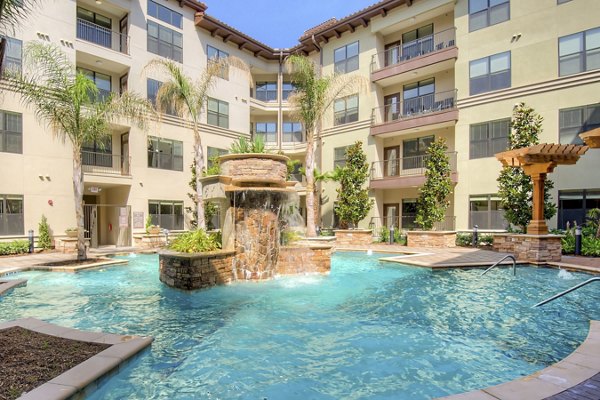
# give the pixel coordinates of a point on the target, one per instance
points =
(30, 234)
(475, 236)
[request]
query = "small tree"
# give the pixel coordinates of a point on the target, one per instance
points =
(44, 238)
(353, 203)
(514, 187)
(433, 198)
(210, 208)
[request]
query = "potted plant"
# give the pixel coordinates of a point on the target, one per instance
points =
(71, 232)
(151, 229)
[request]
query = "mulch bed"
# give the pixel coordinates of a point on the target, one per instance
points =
(28, 359)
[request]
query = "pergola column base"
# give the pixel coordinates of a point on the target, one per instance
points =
(536, 249)
(537, 227)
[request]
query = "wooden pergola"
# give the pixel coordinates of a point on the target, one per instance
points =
(538, 161)
(591, 138)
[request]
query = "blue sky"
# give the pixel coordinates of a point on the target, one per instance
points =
(279, 23)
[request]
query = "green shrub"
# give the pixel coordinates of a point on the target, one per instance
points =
(243, 146)
(289, 236)
(465, 239)
(590, 246)
(399, 236)
(44, 238)
(197, 241)
(14, 247)
(384, 234)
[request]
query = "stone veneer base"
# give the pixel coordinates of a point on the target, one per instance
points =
(438, 239)
(84, 378)
(202, 270)
(358, 237)
(530, 248)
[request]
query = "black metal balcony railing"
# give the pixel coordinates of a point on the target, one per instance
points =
(105, 163)
(407, 223)
(405, 166)
(415, 106)
(413, 49)
(102, 36)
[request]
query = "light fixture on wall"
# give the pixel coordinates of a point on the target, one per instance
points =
(98, 2)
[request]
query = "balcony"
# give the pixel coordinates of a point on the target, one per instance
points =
(434, 110)
(407, 223)
(97, 163)
(431, 54)
(102, 36)
(405, 172)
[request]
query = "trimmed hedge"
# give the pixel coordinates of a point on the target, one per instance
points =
(14, 247)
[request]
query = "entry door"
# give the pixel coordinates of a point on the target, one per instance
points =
(391, 161)
(392, 107)
(391, 212)
(409, 212)
(392, 53)
(124, 30)
(125, 154)
(90, 224)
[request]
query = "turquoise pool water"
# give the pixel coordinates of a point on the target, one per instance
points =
(369, 330)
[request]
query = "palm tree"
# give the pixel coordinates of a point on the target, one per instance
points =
(314, 95)
(70, 104)
(188, 99)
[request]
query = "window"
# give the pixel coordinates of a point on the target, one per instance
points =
(339, 156)
(13, 55)
(11, 132)
(11, 215)
(266, 130)
(165, 14)
(102, 82)
(218, 113)
(214, 53)
(574, 205)
(483, 13)
(573, 121)
(414, 44)
(94, 28)
(212, 153)
(579, 52)
(345, 110)
(292, 132)
(489, 73)
(486, 212)
(266, 91)
(166, 214)
(346, 58)
(152, 88)
(488, 138)
(97, 153)
(165, 154)
(165, 42)
(562, 1)
(414, 152)
(418, 96)
(288, 89)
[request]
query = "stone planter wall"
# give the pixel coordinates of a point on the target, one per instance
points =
(530, 248)
(68, 244)
(196, 271)
(315, 258)
(360, 237)
(254, 167)
(439, 239)
(147, 241)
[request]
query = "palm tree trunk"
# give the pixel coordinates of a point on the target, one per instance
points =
(310, 186)
(199, 157)
(78, 197)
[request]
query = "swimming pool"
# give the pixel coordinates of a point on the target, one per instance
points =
(369, 330)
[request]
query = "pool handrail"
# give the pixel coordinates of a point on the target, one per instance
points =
(514, 260)
(561, 294)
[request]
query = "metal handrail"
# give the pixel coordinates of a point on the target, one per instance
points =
(406, 166)
(414, 107)
(414, 49)
(561, 294)
(102, 36)
(498, 263)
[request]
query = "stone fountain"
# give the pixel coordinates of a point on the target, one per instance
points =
(256, 204)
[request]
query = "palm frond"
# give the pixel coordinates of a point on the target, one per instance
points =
(14, 13)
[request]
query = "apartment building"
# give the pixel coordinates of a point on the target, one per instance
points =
(438, 68)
